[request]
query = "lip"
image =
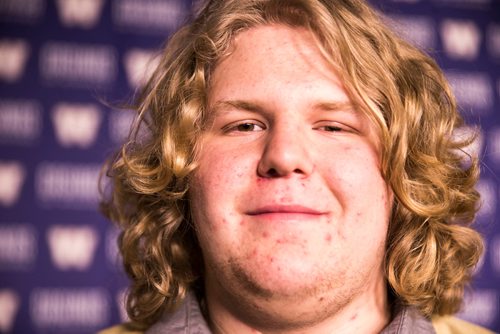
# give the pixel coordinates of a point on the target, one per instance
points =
(285, 210)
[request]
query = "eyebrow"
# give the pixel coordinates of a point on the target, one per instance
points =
(335, 106)
(226, 105)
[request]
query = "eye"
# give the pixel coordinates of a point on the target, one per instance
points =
(331, 128)
(244, 126)
(247, 127)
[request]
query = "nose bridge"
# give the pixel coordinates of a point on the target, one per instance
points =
(286, 150)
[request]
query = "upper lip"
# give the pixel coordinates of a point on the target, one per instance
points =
(284, 209)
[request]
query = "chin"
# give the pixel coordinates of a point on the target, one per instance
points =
(285, 301)
(286, 281)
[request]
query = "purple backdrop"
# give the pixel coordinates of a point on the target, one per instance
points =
(59, 269)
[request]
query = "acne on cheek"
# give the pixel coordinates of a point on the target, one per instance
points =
(328, 238)
(261, 180)
(384, 198)
(253, 254)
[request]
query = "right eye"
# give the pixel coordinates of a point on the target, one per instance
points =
(243, 126)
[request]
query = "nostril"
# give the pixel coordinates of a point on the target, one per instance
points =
(272, 172)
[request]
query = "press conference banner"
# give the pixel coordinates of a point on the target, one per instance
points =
(64, 62)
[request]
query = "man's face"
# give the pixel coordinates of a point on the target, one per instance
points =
(288, 201)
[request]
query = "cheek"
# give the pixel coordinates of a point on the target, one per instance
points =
(219, 165)
(360, 172)
(212, 174)
(216, 186)
(355, 179)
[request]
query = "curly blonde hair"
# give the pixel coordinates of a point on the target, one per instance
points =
(431, 250)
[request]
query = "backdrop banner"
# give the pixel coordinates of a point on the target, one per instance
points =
(63, 63)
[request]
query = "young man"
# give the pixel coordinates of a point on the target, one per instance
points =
(299, 174)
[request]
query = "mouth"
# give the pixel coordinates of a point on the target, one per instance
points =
(285, 211)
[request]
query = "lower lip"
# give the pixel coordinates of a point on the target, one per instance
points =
(286, 216)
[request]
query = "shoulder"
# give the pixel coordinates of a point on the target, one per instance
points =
(119, 329)
(452, 325)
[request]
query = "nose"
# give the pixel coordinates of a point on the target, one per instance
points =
(285, 153)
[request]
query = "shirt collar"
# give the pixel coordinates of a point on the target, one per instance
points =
(188, 319)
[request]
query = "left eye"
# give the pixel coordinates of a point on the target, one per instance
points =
(332, 128)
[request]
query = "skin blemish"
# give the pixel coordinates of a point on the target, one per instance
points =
(383, 199)
(253, 254)
(328, 237)
(265, 235)
(341, 234)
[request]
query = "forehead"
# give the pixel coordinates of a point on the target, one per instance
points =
(270, 54)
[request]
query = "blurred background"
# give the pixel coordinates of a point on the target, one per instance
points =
(59, 59)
